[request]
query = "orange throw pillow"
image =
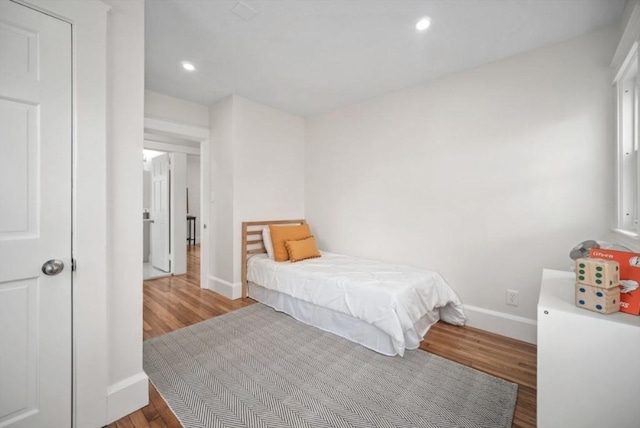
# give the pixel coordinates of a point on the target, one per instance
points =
(302, 249)
(282, 234)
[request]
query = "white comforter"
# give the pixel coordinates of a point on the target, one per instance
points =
(391, 297)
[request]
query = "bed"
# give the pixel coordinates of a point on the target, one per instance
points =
(385, 307)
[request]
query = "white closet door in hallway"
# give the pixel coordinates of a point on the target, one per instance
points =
(160, 215)
(35, 219)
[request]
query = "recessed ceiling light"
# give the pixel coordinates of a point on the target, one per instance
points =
(188, 66)
(423, 24)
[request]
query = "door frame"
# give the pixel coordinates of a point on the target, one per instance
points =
(88, 21)
(194, 133)
(178, 233)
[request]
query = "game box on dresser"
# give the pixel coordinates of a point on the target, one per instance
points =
(629, 263)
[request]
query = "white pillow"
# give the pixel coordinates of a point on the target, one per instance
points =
(266, 239)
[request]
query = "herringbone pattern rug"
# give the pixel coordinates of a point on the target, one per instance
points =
(255, 367)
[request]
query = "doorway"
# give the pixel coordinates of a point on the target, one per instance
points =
(171, 196)
(186, 147)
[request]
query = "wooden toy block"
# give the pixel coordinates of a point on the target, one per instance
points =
(601, 300)
(598, 272)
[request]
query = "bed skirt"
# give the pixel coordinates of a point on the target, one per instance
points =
(341, 324)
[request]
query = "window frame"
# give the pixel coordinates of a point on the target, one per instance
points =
(627, 82)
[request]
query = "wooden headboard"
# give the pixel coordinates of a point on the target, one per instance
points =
(252, 242)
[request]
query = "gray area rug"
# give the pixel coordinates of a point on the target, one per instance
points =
(256, 367)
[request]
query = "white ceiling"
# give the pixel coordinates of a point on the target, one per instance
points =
(308, 57)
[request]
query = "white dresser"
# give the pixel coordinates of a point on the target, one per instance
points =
(588, 363)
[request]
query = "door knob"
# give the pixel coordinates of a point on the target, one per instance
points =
(52, 267)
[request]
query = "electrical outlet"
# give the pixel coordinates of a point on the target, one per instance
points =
(512, 298)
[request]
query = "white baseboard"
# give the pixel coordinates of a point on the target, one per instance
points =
(519, 328)
(127, 396)
(225, 288)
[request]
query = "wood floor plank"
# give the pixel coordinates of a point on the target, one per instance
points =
(165, 414)
(177, 301)
(158, 423)
(150, 412)
(125, 423)
(139, 419)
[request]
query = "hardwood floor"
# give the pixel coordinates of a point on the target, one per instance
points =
(174, 302)
(499, 356)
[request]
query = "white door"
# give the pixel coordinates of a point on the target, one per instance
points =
(35, 218)
(160, 220)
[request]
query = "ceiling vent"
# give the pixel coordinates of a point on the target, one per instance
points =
(244, 11)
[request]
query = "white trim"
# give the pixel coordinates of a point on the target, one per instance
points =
(627, 63)
(202, 231)
(62, 11)
(225, 288)
(180, 130)
(125, 397)
(630, 61)
(626, 238)
(168, 147)
(630, 35)
(512, 326)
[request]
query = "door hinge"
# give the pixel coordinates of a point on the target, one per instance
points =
(74, 265)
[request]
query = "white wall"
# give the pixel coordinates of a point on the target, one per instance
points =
(257, 155)
(221, 184)
(160, 106)
(268, 167)
(193, 184)
(128, 385)
(486, 176)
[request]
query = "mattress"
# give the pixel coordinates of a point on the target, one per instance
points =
(401, 302)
